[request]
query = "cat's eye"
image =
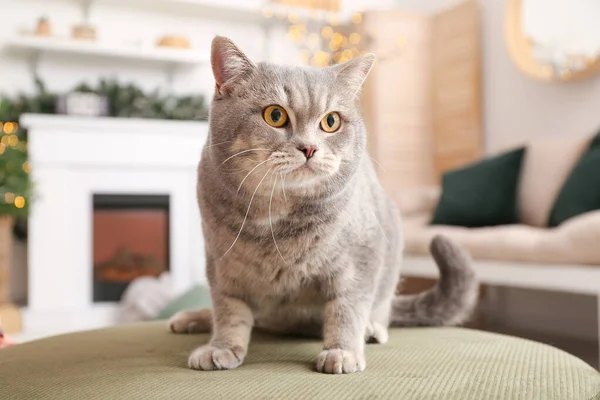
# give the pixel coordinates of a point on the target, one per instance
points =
(331, 122)
(275, 116)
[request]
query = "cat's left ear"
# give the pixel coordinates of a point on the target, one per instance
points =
(229, 63)
(353, 73)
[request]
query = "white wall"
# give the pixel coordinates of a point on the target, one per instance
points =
(516, 107)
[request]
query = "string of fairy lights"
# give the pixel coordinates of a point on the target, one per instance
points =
(326, 33)
(10, 142)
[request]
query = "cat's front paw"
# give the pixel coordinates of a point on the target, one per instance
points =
(339, 361)
(208, 358)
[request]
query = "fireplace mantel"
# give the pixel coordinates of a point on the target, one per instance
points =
(76, 141)
(74, 158)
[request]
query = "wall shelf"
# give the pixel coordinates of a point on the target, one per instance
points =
(247, 11)
(243, 11)
(36, 46)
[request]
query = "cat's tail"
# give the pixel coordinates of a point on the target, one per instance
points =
(451, 301)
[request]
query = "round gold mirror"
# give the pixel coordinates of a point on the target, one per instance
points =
(554, 39)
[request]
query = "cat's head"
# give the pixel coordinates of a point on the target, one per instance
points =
(274, 120)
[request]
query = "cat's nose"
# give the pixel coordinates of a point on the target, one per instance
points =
(308, 151)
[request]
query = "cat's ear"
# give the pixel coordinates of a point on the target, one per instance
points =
(352, 74)
(229, 63)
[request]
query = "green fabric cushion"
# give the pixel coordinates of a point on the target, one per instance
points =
(145, 361)
(581, 191)
(196, 297)
(482, 194)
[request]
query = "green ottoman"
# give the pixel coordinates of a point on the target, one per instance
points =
(146, 362)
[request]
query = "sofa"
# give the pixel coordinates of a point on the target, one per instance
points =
(552, 241)
(545, 167)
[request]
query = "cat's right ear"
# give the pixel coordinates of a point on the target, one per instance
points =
(229, 63)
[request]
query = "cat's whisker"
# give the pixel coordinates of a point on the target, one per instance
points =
(271, 220)
(248, 174)
(218, 144)
(283, 186)
(382, 231)
(242, 152)
(208, 146)
(378, 163)
(361, 239)
(246, 216)
(236, 170)
(330, 185)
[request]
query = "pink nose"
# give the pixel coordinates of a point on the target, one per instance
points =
(308, 151)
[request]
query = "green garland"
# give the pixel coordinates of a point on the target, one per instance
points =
(130, 101)
(126, 101)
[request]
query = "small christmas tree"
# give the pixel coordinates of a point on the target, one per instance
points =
(15, 186)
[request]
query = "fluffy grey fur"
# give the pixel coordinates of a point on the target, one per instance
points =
(302, 245)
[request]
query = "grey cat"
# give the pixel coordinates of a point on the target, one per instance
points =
(300, 236)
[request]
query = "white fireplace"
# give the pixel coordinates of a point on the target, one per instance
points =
(72, 161)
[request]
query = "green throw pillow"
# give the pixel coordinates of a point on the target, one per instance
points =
(196, 297)
(581, 191)
(481, 194)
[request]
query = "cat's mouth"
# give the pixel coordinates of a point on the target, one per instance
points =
(305, 167)
(309, 173)
(310, 168)
(303, 170)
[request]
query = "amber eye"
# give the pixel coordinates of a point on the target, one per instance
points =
(331, 122)
(275, 116)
